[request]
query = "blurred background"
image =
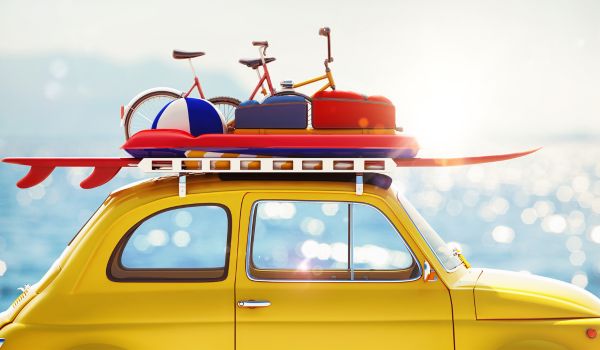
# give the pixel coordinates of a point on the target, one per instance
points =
(467, 77)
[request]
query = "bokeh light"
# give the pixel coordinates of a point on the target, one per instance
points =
(3, 268)
(157, 238)
(183, 218)
(181, 238)
(503, 234)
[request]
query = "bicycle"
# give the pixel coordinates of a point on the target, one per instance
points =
(140, 112)
(287, 85)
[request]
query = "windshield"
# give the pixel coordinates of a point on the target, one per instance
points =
(444, 254)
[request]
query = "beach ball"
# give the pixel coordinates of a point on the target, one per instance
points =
(193, 115)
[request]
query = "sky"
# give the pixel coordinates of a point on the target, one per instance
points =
(456, 70)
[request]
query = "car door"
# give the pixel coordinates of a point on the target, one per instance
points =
(335, 272)
(167, 279)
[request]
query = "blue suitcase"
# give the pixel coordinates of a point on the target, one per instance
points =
(276, 112)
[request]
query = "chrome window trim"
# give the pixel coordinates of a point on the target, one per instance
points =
(249, 244)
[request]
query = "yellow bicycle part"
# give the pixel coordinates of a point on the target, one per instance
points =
(328, 75)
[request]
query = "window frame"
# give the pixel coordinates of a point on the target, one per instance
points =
(117, 272)
(351, 273)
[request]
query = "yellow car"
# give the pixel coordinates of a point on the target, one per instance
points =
(303, 262)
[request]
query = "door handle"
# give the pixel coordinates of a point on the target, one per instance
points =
(253, 304)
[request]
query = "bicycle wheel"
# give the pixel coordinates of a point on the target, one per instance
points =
(143, 111)
(226, 105)
(306, 98)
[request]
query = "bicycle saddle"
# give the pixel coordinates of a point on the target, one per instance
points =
(255, 63)
(178, 55)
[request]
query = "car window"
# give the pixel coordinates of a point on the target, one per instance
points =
(186, 242)
(310, 240)
(377, 245)
(301, 236)
(443, 252)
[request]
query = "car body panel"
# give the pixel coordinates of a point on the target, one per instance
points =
(77, 307)
(472, 333)
(346, 314)
(525, 334)
(514, 295)
(93, 310)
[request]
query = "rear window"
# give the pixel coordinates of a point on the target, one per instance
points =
(186, 243)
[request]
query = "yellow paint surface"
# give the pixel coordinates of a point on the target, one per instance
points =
(75, 306)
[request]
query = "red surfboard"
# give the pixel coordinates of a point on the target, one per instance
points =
(40, 168)
(107, 168)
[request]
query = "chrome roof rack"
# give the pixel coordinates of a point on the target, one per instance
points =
(185, 166)
(266, 165)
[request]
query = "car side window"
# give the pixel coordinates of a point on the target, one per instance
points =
(186, 243)
(299, 240)
(310, 240)
(378, 248)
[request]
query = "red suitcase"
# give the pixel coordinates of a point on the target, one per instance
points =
(350, 110)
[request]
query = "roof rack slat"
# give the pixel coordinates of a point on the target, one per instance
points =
(267, 165)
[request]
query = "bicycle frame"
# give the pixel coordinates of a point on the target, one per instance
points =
(261, 79)
(328, 75)
(196, 83)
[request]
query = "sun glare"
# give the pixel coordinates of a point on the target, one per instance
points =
(444, 136)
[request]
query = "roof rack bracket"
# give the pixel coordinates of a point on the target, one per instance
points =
(359, 184)
(182, 186)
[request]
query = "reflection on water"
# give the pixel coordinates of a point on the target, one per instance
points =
(539, 215)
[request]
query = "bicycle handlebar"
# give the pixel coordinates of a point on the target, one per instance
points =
(325, 31)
